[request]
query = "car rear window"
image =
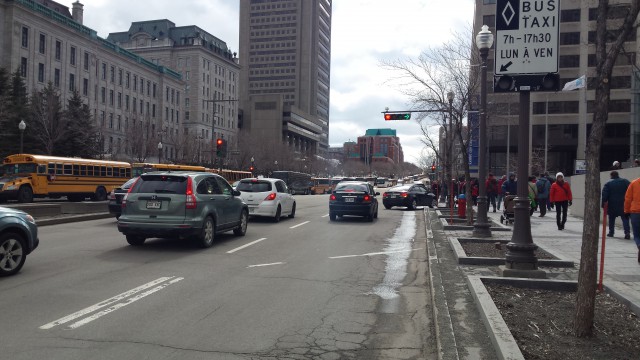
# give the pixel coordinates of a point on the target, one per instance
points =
(162, 184)
(352, 187)
(254, 186)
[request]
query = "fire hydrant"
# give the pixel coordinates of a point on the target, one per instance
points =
(462, 206)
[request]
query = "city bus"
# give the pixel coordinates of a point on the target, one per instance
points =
(141, 168)
(26, 176)
(321, 185)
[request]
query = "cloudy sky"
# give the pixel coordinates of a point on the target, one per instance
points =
(364, 32)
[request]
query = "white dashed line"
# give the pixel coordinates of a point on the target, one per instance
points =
(245, 245)
(261, 265)
(295, 226)
(325, 215)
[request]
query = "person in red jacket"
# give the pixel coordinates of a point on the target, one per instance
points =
(632, 208)
(560, 195)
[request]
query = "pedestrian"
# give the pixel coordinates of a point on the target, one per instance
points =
(533, 194)
(632, 208)
(636, 163)
(560, 195)
(543, 185)
(613, 193)
(492, 191)
(616, 165)
(510, 187)
(475, 191)
(500, 192)
(551, 181)
(435, 189)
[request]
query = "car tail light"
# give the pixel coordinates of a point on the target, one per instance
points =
(270, 197)
(384, 195)
(190, 202)
(124, 199)
(366, 198)
(404, 194)
(112, 195)
(332, 197)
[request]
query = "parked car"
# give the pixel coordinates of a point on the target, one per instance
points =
(353, 198)
(18, 238)
(184, 205)
(267, 197)
(410, 196)
(116, 195)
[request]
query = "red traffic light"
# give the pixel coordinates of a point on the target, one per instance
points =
(219, 142)
(251, 168)
(433, 168)
(397, 116)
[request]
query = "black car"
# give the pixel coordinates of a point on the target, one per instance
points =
(410, 196)
(116, 195)
(353, 198)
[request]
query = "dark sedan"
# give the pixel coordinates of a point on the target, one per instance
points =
(410, 196)
(353, 198)
(116, 195)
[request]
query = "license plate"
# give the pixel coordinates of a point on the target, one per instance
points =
(252, 210)
(154, 204)
(393, 196)
(349, 199)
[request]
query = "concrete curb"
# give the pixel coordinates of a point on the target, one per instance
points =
(464, 259)
(72, 218)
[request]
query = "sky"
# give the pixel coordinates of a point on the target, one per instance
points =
(363, 33)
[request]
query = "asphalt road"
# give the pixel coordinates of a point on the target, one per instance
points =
(302, 288)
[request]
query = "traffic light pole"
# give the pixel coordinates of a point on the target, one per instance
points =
(213, 123)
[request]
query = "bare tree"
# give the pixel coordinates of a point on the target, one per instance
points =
(609, 44)
(49, 126)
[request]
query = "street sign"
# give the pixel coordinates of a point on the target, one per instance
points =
(527, 34)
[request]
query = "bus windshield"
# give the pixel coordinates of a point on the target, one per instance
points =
(13, 169)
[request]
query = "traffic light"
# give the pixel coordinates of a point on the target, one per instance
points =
(220, 147)
(397, 116)
(433, 168)
(251, 168)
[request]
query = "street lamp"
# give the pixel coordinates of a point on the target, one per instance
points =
(21, 126)
(450, 96)
(160, 152)
(482, 228)
(275, 164)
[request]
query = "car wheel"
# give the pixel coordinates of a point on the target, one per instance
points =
(413, 205)
(25, 194)
(12, 253)
(242, 228)
(276, 218)
(387, 206)
(370, 218)
(135, 240)
(207, 234)
(332, 216)
(293, 211)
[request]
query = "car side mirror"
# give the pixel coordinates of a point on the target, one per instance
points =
(235, 193)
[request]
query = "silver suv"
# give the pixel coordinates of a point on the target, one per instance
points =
(181, 205)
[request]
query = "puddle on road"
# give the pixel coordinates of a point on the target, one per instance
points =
(399, 246)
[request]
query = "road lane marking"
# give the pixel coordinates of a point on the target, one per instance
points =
(295, 226)
(104, 303)
(325, 215)
(260, 265)
(375, 253)
(117, 306)
(245, 245)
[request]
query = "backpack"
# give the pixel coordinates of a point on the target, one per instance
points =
(541, 185)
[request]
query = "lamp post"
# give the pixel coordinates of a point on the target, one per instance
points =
(275, 164)
(160, 152)
(21, 126)
(450, 96)
(481, 228)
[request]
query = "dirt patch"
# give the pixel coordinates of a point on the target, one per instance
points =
(541, 321)
(496, 250)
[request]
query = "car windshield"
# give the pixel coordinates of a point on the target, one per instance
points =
(162, 184)
(346, 187)
(254, 186)
(400, 188)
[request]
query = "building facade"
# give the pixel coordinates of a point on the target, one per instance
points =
(285, 54)
(208, 67)
(560, 122)
(376, 146)
(124, 91)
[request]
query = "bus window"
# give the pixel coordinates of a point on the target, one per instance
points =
(68, 169)
(76, 170)
(51, 169)
(59, 170)
(83, 170)
(109, 171)
(103, 171)
(42, 169)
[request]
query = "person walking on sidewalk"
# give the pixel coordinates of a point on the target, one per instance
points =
(510, 187)
(492, 191)
(613, 193)
(560, 195)
(543, 185)
(632, 207)
(500, 192)
(533, 194)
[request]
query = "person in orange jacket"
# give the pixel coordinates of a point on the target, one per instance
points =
(560, 196)
(632, 208)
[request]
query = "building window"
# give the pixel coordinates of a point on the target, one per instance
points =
(135, 82)
(86, 61)
(58, 54)
(103, 95)
(111, 121)
(120, 77)
(104, 71)
(56, 77)
(85, 87)
(126, 102)
(155, 86)
(148, 88)
(113, 74)
(569, 61)
(72, 82)
(111, 97)
(42, 44)
(570, 15)
(72, 56)
(23, 67)
(570, 38)
(153, 111)
(119, 104)
(142, 86)
(127, 78)
(41, 72)
(25, 37)
(489, 20)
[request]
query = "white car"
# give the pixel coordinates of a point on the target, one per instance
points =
(267, 197)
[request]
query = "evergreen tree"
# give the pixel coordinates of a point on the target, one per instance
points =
(13, 109)
(48, 127)
(81, 134)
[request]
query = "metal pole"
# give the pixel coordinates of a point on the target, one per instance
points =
(451, 140)
(546, 132)
(481, 228)
(508, 144)
(21, 138)
(520, 258)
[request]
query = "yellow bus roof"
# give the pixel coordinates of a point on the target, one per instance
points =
(46, 159)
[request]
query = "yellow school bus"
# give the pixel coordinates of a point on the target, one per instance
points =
(26, 176)
(141, 168)
(231, 175)
(321, 186)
